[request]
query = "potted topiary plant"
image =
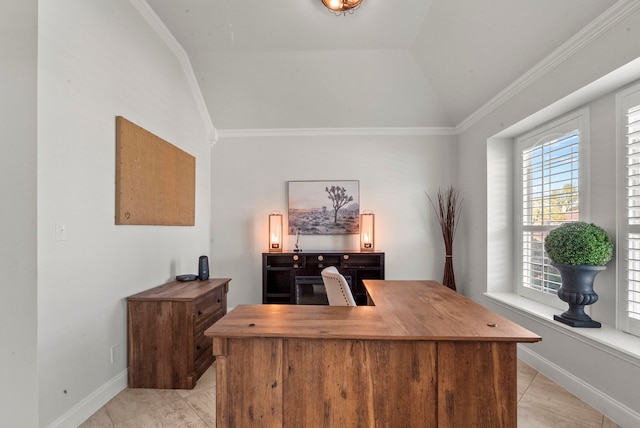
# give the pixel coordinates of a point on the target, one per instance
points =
(579, 251)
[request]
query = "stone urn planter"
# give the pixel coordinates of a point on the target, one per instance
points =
(579, 251)
(577, 291)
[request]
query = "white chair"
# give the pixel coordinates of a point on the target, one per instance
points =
(338, 291)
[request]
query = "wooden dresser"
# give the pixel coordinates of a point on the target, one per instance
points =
(166, 343)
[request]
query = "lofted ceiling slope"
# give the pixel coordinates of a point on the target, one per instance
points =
(262, 64)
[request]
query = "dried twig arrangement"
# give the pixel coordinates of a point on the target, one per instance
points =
(448, 212)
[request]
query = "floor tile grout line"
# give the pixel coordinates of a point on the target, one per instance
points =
(528, 386)
(194, 409)
(558, 387)
(113, 424)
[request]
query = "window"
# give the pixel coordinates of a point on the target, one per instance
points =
(629, 243)
(550, 177)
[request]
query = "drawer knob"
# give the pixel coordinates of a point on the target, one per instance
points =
(320, 258)
(198, 347)
(199, 313)
(219, 300)
(296, 258)
(346, 257)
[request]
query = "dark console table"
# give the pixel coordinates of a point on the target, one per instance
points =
(294, 278)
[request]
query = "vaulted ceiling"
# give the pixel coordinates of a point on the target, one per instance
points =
(264, 64)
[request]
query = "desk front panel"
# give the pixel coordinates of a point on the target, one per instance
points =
(279, 382)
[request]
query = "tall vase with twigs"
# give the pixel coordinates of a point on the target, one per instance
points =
(448, 212)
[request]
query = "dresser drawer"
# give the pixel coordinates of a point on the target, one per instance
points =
(200, 341)
(203, 361)
(207, 309)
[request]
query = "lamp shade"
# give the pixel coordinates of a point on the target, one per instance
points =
(367, 231)
(275, 232)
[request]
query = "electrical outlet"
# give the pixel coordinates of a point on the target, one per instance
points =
(114, 354)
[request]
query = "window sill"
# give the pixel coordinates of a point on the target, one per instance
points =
(606, 338)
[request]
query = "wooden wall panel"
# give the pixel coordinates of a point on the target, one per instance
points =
(254, 384)
(477, 381)
(158, 346)
(155, 181)
(359, 383)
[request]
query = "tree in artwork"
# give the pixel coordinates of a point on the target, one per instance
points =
(339, 199)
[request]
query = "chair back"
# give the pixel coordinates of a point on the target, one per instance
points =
(338, 291)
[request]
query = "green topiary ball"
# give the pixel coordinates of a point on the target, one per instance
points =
(579, 243)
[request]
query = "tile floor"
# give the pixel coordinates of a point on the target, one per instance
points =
(542, 404)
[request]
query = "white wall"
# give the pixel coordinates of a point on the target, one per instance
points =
(18, 317)
(97, 60)
(249, 180)
(614, 389)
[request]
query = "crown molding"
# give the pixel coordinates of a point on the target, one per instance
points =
(324, 132)
(590, 32)
(154, 21)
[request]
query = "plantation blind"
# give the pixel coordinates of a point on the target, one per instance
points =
(631, 108)
(550, 168)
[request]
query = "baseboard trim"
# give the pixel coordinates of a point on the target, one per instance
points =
(613, 409)
(91, 404)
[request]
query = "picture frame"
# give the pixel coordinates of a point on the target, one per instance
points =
(324, 207)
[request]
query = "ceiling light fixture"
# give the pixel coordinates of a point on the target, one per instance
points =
(342, 6)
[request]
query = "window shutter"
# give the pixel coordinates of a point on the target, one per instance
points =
(551, 181)
(631, 315)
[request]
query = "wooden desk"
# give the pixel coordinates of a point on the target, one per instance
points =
(423, 356)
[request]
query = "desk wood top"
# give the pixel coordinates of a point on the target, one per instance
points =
(404, 310)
